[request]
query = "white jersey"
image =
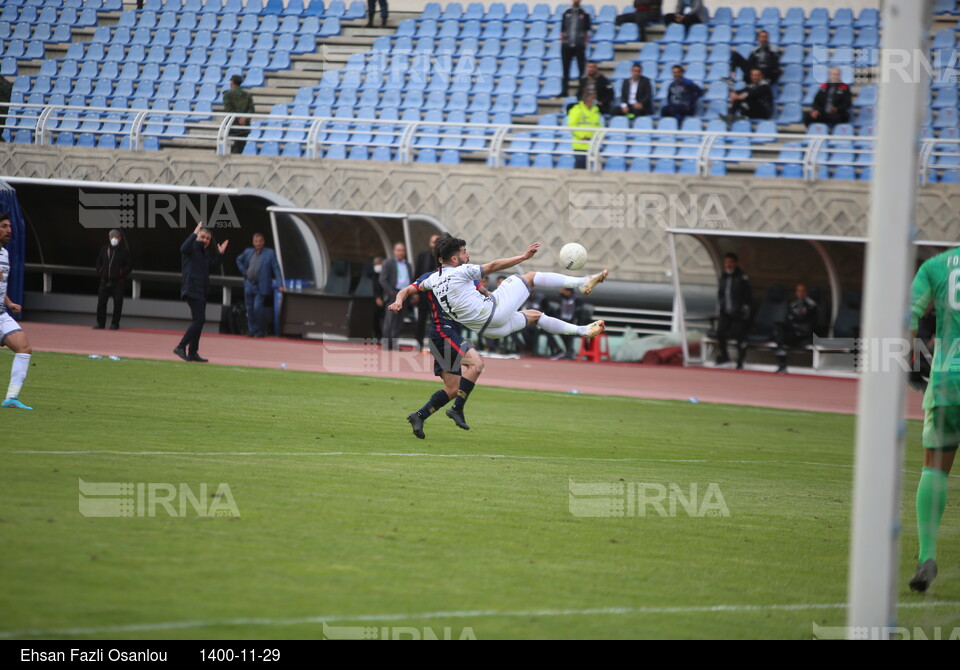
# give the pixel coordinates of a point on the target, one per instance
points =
(4, 278)
(456, 290)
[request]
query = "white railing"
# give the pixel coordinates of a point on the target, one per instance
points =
(496, 144)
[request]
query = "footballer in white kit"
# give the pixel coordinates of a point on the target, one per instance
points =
(11, 335)
(497, 314)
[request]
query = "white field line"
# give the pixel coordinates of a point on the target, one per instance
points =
(467, 614)
(388, 454)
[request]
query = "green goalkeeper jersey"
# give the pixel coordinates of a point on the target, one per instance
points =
(938, 282)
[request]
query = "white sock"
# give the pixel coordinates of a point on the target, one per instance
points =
(556, 280)
(18, 374)
(558, 327)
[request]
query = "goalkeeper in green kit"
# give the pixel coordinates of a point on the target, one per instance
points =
(937, 284)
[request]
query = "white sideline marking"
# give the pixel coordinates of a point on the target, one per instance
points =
(390, 454)
(704, 609)
(397, 454)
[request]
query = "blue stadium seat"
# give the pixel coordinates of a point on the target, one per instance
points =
(868, 18)
(842, 17)
(818, 17)
(766, 170)
(675, 33)
(790, 114)
(723, 15)
(794, 34)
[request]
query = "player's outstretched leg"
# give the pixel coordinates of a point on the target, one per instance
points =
(557, 327)
(17, 342)
(556, 280)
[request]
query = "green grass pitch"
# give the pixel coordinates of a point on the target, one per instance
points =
(346, 518)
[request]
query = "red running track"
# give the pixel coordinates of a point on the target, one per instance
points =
(761, 389)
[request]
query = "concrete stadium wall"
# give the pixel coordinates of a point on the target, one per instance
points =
(619, 217)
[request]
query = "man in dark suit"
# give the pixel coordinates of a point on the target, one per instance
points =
(197, 260)
(595, 80)
(636, 94)
(260, 269)
(426, 262)
(114, 266)
(395, 275)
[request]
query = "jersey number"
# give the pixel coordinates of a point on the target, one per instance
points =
(955, 289)
(446, 302)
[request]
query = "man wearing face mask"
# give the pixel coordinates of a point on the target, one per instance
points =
(197, 260)
(114, 266)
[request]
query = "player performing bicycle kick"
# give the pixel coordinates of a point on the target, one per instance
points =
(453, 295)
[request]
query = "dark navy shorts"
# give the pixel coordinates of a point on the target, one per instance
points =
(447, 347)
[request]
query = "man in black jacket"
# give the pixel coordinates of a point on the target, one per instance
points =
(574, 37)
(832, 104)
(764, 56)
(736, 299)
(114, 266)
(395, 275)
(594, 80)
(799, 326)
(426, 262)
(636, 94)
(754, 101)
(197, 260)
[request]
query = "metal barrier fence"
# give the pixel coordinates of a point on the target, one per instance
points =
(499, 145)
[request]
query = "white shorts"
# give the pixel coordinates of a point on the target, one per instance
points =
(7, 326)
(506, 317)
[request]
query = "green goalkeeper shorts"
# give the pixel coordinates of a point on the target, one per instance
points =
(941, 428)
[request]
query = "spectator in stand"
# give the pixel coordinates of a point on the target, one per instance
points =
(585, 113)
(595, 80)
(426, 262)
(636, 94)
(754, 101)
(238, 101)
(764, 56)
(682, 96)
(832, 104)
(798, 328)
(644, 12)
(572, 311)
(688, 13)
(736, 300)
(574, 36)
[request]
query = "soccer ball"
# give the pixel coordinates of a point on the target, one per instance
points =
(573, 256)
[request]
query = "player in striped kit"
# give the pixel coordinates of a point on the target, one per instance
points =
(11, 335)
(452, 292)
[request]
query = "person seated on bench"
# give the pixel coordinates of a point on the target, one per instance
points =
(798, 328)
